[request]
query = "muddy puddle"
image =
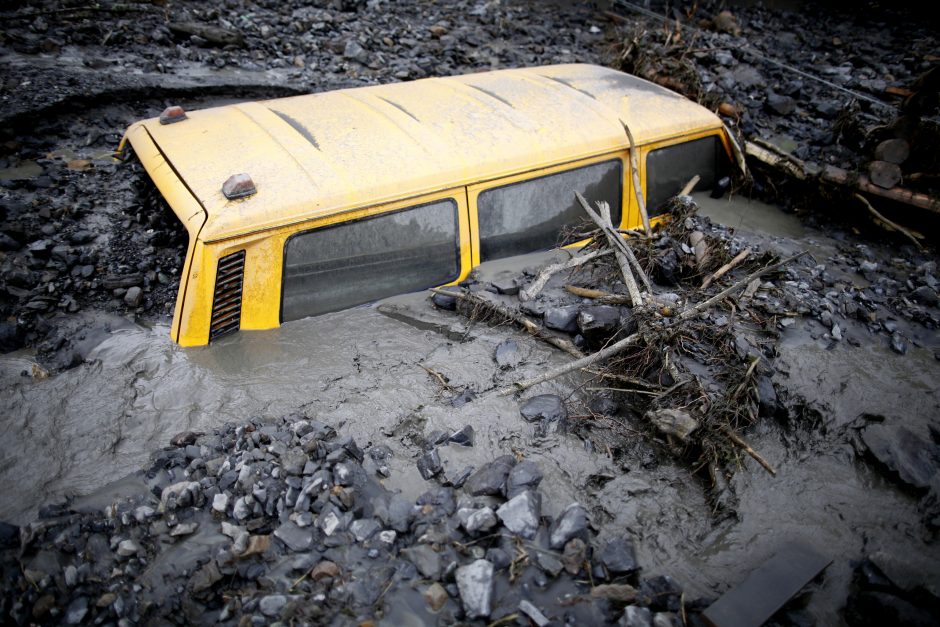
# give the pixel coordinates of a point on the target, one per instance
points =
(373, 372)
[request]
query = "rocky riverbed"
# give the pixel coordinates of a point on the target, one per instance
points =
(327, 474)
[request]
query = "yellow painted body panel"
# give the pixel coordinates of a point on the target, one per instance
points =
(337, 156)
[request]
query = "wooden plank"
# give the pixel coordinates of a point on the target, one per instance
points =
(767, 589)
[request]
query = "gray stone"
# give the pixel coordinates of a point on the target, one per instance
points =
(295, 538)
(463, 437)
(127, 548)
(364, 528)
(490, 479)
(508, 354)
(564, 319)
(619, 556)
(435, 596)
(781, 105)
(329, 523)
(572, 523)
(544, 407)
(354, 51)
(509, 286)
(524, 476)
(912, 459)
(425, 559)
(925, 295)
(220, 502)
(429, 464)
(598, 323)
(446, 301)
(71, 576)
(241, 511)
(133, 297)
(533, 613)
(482, 519)
(666, 619)
(475, 584)
(521, 514)
(898, 343)
(342, 475)
(76, 611)
(674, 422)
(549, 563)
(272, 605)
(184, 529)
(293, 461)
(636, 616)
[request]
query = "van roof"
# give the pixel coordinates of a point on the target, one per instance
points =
(317, 154)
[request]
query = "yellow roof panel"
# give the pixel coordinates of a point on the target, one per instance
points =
(316, 154)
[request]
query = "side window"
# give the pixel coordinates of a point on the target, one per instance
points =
(349, 264)
(528, 216)
(669, 169)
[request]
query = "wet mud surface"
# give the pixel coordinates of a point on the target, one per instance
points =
(93, 389)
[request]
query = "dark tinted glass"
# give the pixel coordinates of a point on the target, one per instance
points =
(669, 169)
(357, 262)
(528, 216)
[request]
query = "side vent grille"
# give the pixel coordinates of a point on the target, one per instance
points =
(227, 303)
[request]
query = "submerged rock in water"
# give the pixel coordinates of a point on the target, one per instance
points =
(475, 583)
(905, 455)
(545, 407)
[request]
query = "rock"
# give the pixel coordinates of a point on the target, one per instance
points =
(781, 105)
(457, 477)
(463, 437)
(446, 301)
(11, 338)
(490, 479)
(324, 569)
(544, 407)
(257, 545)
(364, 528)
(184, 529)
(429, 464)
(747, 76)
(9, 535)
(572, 523)
(71, 576)
(293, 461)
(925, 295)
(435, 596)
(524, 476)
(898, 343)
(181, 494)
(549, 563)
(619, 556)
(204, 578)
(521, 514)
(127, 548)
(272, 605)
(475, 584)
(220, 502)
(836, 333)
(769, 405)
(661, 594)
(509, 287)
(425, 559)
(598, 323)
(675, 422)
(620, 593)
(482, 519)
(442, 498)
(636, 616)
(185, 438)
(241, 511)
(533, 613)
(564, 319)
(133, 297)
(294, 537)
(354, 51)
(76, 611)
(905, 455)
(574, 555)
(508, 354)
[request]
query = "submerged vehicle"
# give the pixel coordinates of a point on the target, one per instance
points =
(305, 205)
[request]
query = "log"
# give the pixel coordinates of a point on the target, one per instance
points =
(538, 284)
(893, 151)
(883, 174)
(528, 325)
(690, 185)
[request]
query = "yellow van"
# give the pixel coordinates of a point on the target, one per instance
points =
(304, 205)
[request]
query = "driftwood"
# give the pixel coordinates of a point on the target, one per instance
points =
(623, 253)
(723, 270)
(637, 190)
(690, 185)
(889, 225)
(790, 165)
(528, 325)
(600, 296)
(538, 284)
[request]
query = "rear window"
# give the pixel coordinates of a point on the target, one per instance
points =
(530, 215)
(669, 169)
(348, 264)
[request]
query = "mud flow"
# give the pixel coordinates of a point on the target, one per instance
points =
(393, 463)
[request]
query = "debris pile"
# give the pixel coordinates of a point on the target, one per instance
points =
(285, 520)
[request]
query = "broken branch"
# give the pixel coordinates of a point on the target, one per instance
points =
(533, 290)
(605, 298)
(750, 451)
(890, 225)
(723, 270)
(637, 190)
(616, 243)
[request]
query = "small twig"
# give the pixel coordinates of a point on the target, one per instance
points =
(505, 620)
(750, 451)
(440, 378)
(625, 391)
(725, 269)
(598, 295)
(891, 225)
(692, 311)
(533, 290)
